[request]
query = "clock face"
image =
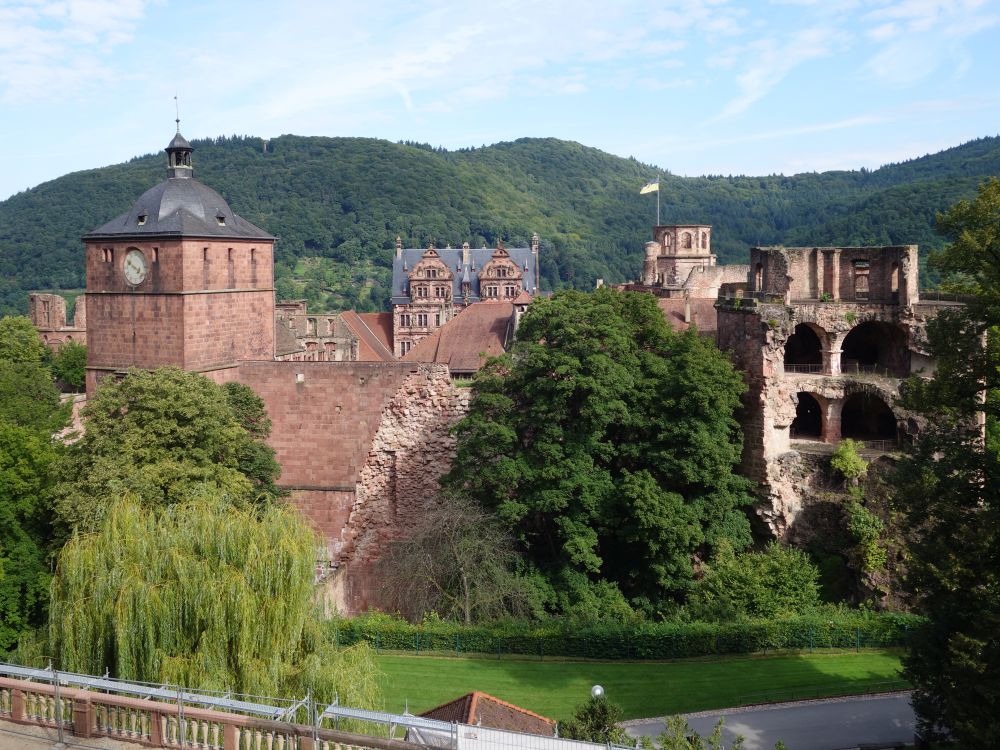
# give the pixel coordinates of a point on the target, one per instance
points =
(135, 267)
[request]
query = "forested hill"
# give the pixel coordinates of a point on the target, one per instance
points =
(338, 203)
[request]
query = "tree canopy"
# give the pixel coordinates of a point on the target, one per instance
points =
(166, 436)
(948, 491)
(201, 594)
(607, 442)
(19, 342)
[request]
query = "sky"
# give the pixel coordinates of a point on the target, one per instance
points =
(692, 86)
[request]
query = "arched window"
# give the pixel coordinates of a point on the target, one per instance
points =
(803, 350)
(686, 240)
(865, 416)
(808, 421)
(758, 278)
(704, 240)
(310, 326)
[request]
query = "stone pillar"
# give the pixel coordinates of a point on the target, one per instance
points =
(831, 361)
(831, 424)
(306, 743)
(831, 273)
(155, 729)
(17, 705)
(229, 739)
(83, 717)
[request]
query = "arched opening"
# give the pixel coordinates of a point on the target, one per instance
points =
(803, 350)
(704, 240)
(808, 422)
(686, 240)
(894, 282)
(758, 278)
(865, 416)
(876, 347)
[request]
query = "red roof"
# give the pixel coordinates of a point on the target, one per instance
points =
(480, 708)
(481, 330)
(380, 324)
(523, 298)
(371, 347)
(703, 313)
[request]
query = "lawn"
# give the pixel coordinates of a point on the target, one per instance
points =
(554, 688)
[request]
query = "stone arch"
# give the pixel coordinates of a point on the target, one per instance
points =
(686, 240)
(866, 416)
(808, 423)
(804, 348)
(875, 346)
(704, 240)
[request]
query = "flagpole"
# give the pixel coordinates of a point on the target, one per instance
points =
(657, 200)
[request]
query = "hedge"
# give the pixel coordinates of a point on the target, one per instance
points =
(665, 640)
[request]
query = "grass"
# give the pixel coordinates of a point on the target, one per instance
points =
(643, 689)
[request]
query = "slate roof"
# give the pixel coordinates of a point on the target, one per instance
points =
(452, 257)
(180, 207)
(484, 328)
(478, 708)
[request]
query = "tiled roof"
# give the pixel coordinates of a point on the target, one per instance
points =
(484, 328)
(480, 708)
(452, 258)
(370, 346)
(380, 324)
(523, 298)
(703, 313)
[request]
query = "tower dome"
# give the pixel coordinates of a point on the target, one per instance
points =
(179, 206)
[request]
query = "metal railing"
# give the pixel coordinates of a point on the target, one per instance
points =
(807, 693)
(803, 368)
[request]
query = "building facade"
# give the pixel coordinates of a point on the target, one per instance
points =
(431, 286)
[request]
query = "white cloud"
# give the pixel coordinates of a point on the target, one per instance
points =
(769, 61)
(50, 50)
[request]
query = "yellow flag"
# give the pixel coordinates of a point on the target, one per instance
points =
(653, 187)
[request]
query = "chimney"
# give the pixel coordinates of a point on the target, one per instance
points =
(535, 242)
(465, 253)
(399, 246)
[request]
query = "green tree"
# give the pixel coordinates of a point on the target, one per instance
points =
(205, 595)
(19, 341)
(607, 442)
(848, 461)
(948, 489)
(165, 436)
(596, 721)
(26, 459)
(29, 398)
(69, 364)
(778, 581)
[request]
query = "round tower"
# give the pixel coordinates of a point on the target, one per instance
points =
(649, 264)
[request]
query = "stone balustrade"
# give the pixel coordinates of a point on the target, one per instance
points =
(90, 714)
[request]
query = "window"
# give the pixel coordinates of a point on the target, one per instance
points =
(404, 347)
(432, 273)
(141, 219)
(502, 272)
(437, 319)
(686, 240)
(510, 291)
(310, 326)
(491, 291)
(204, 255)
(404, 320)
(422, 320)
(421, 291)
(229, 256)
(107, 255)
(704, 240)
(156, 255)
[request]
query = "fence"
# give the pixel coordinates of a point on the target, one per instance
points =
(87, 713)
(654, 641)
(807, 693)
(798, 368)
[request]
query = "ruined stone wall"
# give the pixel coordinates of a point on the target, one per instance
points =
(400, 478)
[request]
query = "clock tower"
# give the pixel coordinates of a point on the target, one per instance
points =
(178, 280)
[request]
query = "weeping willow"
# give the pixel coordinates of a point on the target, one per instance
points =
(201, 594)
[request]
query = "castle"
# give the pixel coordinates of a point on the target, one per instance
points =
(362, 404)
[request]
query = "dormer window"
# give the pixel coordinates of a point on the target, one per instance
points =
(141, 219)
(221, 219)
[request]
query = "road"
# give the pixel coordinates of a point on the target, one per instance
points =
(810, 725)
